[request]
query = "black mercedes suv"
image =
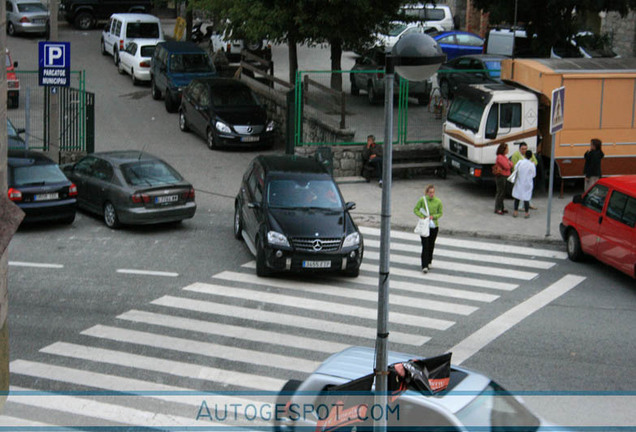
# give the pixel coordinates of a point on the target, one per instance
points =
(292, 217)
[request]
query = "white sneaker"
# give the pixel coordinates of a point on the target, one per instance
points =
(425, 270)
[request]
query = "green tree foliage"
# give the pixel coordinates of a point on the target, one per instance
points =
(553, 21)
(342, 24)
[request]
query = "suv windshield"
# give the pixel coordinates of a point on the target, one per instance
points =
(143, 30)
(190, 63)
(149, 173)
(290, 193)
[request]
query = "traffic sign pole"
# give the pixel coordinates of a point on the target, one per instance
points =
(557, 114)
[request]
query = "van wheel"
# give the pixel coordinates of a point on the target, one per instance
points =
(238, 223)
(156, 93)
(11, 29)
(575, 253)
(115, 56)
(103, 48)
(84, 21)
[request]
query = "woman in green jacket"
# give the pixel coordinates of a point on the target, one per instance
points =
(434, 213)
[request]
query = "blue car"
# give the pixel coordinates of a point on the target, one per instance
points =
(458, 43)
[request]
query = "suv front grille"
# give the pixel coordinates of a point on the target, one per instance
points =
(316, 244)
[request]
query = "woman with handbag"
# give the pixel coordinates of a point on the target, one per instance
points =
(501, 169)
(429, 210)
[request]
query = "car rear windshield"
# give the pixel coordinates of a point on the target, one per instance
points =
(34, 175)
(190, 63)
(298, 193)
(31, 7)
(147, 50)
(142, 30)
(149, 173)
(494, 68)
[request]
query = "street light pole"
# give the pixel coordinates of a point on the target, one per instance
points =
(416, 57)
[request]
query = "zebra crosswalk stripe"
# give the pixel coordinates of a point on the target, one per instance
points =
(352, 293)
(286, 319)
(232, 331)
(182, 369)
(201, 348)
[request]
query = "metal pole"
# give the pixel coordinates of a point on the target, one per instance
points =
(551, 184)
(53, 146)
(382, 353)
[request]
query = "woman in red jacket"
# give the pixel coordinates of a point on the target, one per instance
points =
(501, 169)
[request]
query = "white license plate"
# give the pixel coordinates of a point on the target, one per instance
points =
(46, 197)
(316, 264)
(250, 139)
(455, 164)
(166, 199)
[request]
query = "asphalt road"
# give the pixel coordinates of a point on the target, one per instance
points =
(581, 340)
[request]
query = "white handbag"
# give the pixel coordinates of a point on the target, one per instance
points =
(423, 227)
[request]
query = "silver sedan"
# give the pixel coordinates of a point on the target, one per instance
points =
(27, 16)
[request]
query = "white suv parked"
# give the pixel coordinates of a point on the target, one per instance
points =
(433, 16)
(124, 27)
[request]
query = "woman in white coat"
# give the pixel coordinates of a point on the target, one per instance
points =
(522, 190)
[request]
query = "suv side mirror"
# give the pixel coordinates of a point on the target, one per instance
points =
(350, 205)
(254, 204)
(577, 199)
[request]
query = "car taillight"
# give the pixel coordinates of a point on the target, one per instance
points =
(121, 44)
(25, 20)
(188, 195)
(477, 172)
(140, 198)
(72, 190)
(15, 195)
(145, 64)
(229, 48)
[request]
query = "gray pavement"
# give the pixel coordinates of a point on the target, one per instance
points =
(468, 208)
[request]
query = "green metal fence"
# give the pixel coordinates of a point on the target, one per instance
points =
(361, 113)
(76, 118)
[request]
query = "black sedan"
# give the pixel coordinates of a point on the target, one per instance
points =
(39, 188)
(468, 69)
(131, 187)
(226, 113)
(292, 217)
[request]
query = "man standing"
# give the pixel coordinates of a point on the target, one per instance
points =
(372, 159)
(592, 167)
(520, 155)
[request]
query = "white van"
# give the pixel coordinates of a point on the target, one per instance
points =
(432, 16)
(124, 27)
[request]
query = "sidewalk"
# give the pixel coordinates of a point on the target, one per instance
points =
(468, 208)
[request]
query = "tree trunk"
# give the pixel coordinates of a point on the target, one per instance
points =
(189, 20)
(293, 58)
(336, 64)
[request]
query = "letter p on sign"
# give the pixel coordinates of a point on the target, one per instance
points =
(54, 56)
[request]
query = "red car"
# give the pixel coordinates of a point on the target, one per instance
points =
(13, 83)
(602, 223)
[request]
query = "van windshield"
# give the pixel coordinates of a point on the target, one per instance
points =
(466, 113)
(142, 30)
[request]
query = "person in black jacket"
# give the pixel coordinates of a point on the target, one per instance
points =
(372, 160)
(592, 168)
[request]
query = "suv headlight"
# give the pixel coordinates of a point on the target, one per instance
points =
(270, 126)
(277, 239)
(352, 239)
(222, 127)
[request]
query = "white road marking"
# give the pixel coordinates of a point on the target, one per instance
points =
(85, 407)
(471, 244)
(201, 348)
(345, 310)
(35, 265)
(341, 291)
(286, 319)
(223, 377)
(147, 272)
(232, 331)
(504, 260)
(457, 266)
(491, 331)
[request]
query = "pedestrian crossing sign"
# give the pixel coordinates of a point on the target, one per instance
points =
(557, 109)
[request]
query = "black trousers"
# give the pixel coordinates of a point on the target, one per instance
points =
(428, 245)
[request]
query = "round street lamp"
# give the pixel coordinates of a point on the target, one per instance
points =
(416, 56)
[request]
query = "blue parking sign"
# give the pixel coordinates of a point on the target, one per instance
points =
(54, 61)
